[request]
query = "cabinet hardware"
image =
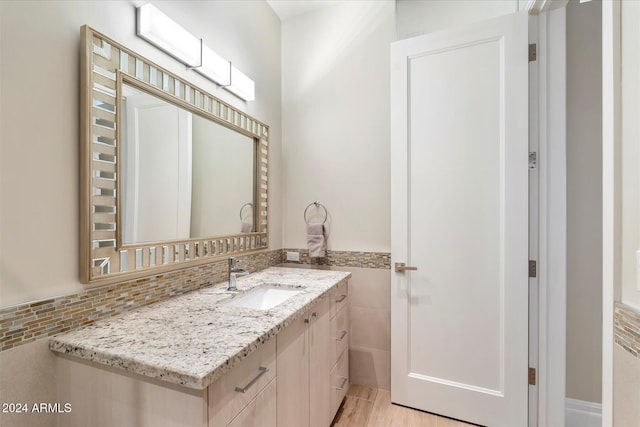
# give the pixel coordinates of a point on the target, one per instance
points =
(344, 382)
(401, 266)
(342, 297)
(314, 315)
(306, 320)
(263, 370)
(344, 334)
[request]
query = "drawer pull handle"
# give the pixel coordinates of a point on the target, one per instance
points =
(344, 334)
(344, 382)
(263, 370)
(342, 298)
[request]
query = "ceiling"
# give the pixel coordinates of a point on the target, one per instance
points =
(286, 9)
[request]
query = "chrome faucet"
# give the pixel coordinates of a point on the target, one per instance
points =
(234, 271)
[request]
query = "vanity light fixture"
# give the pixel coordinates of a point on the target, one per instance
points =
(241, 85)
(214, 67)
(162, 32)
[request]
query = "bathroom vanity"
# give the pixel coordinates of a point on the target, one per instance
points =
(274, 353)
(213, 358)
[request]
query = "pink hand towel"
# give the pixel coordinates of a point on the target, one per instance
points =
(316, 240)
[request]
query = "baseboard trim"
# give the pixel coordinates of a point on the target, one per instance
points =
(580, 413)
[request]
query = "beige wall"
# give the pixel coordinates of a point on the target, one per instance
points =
(369, 323)
(39, 181)
(28, 375)
(335, 110)
(626, 379)
(39, 140)
(584, 201)
(335, 73)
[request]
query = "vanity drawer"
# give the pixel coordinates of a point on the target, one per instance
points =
(339, 296)
(339, 378)
(261, 412)
(232, 392)
(339, 334)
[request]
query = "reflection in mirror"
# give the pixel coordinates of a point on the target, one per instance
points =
(183, 176)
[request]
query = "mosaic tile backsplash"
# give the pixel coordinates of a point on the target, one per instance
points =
(25, 323)
(627, 328)
(345, 259)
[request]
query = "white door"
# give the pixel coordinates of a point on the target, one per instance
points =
(157, 169)
(459, 197)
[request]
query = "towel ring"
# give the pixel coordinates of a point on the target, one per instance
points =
(317, 204)
(244, 206)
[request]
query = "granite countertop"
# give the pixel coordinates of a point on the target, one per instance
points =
(192, 340)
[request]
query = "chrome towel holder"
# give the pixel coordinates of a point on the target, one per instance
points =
(244, 206)
(318, 205)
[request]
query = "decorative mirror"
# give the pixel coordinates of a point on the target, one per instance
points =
(171, 176)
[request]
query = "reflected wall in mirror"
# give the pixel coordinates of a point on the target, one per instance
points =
(183, 176)
(171, 176)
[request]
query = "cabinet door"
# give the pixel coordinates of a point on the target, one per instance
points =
(293, 374)
(261, 411)
(319, 365)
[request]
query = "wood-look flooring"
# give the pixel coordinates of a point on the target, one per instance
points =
(370, 407)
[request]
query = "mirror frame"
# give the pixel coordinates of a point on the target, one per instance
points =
(103, 257)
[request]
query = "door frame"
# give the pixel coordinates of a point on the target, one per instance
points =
(552, 176)
(552, 173)
(611, 80)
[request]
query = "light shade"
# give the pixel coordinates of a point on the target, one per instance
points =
(162, 32)
(214, 67)
(241, 85)
(159, 30)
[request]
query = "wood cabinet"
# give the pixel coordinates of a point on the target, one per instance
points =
(260, 412)
(319, 365)
(313, 363)
(297, 378)
(293, 379)
(237, 389)
(338, 347)
(303, 359)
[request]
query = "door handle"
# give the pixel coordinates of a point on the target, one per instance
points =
(401, 266)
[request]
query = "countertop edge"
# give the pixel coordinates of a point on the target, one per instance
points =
(57, 344)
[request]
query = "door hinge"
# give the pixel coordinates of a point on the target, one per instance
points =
(533, 160)
(533, 268)
(533, 52)
(532, 376)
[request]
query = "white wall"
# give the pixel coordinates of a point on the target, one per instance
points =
(335, 110)
(39, 181)
(584, 201)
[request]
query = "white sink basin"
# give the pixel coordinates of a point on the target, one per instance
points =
(264, 297)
